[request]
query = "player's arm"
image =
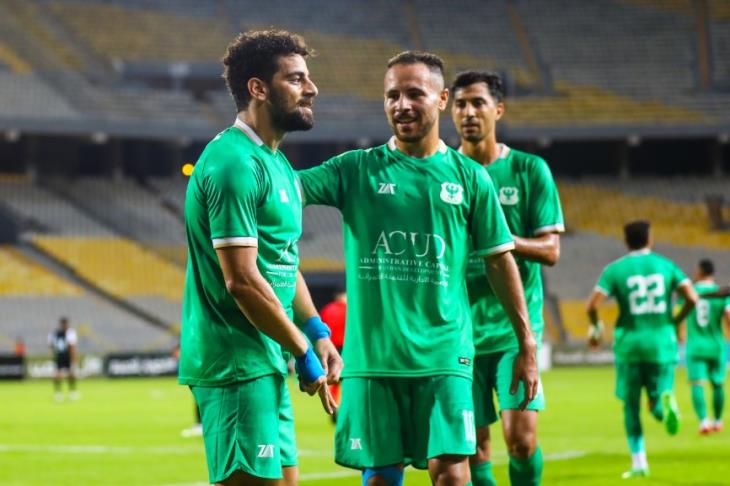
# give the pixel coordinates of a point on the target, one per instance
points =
(545, 215)
(544, 248)
(595, 331)
(258, 302)
(690, 298)
(317, 331)
(504, 277)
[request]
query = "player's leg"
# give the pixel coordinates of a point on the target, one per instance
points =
(485, 414)
(241, 431)
(368, 430)
(717, 373)
(444, 434)
(658, 378)
(519, 427)
(57, 380)
(287, 439)
(628, 389)
(449, 470)
(697, 371)
(72, 392)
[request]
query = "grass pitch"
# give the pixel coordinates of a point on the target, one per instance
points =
(127, 432)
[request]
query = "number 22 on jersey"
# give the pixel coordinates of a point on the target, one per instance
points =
(647, 294)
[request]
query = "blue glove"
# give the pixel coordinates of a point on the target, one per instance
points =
(308, 367)
(315, 329)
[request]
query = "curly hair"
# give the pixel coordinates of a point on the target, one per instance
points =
(491, 79)
(255, 54)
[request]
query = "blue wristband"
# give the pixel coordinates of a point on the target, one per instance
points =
(315, 329)
(308, 367)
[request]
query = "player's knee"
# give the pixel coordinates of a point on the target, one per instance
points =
(383, 476)
(522, 447)
(456, 476)
(484, 447)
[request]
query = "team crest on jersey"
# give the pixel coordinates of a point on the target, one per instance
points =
(452, 193)
(509, 196)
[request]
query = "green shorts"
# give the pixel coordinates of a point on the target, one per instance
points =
(385, 421)
(655, 377)
(493, 372)
(247, 426)
(706, 369)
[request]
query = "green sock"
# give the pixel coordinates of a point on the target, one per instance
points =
(481, 474)
(526, 472)
(698, 401)
(636, 444)
(718, 400)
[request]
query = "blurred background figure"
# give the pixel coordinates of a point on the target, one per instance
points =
(62, 342)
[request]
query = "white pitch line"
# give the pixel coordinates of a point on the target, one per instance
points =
(105, 449)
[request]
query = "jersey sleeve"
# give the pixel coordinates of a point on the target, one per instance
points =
(606, 282)
(326, 183)
(234, 191)
(487, 225)
(546, 214)
(71, 337)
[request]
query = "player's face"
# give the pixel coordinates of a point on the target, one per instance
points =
(414, 96)
(475, 112)
(292, 95)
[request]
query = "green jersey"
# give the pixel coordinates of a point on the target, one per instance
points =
(531, 205)
(704, 324)
(642, 283)
(241, 194)
(407, 224)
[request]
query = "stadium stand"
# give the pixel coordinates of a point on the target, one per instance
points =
(102, 327)
(21, 277)
(42, 211)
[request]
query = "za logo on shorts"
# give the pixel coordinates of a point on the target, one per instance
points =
(355, 444)
(509, 196)
(452, 193)
(265, 450)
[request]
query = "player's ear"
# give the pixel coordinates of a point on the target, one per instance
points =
(443, 99)
(500, 110)
(258, 89)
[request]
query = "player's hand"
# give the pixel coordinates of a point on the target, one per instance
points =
(595, 333)
(525, 370)
(328, 401)
(330, 359)
(310, 373)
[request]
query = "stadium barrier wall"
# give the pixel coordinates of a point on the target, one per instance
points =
(140, 364)
(12, 367)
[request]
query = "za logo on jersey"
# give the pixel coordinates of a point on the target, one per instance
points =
(509, 196)
(386, 188)
(355, 444)
(452, 193)
(265, 450)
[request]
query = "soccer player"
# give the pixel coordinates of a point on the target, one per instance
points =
(410, 209)
(706, 347)
(531, 205)
(645, 338)
(62, 342)
(243, 216)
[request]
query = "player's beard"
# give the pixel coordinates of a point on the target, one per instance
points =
(415, 136)
(289, 120)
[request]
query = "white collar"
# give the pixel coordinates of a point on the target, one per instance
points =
(248, 131)
(643, 251)
(441, 148)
